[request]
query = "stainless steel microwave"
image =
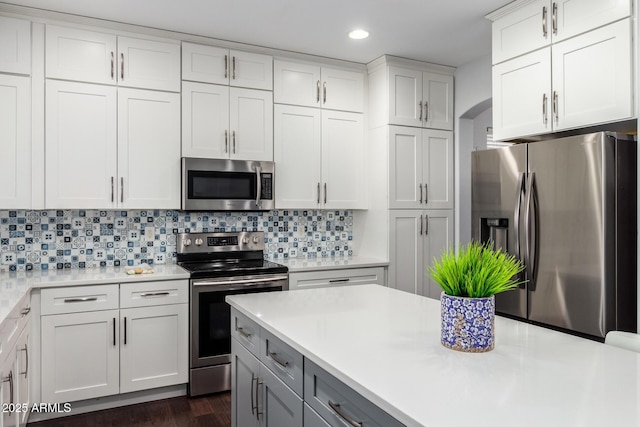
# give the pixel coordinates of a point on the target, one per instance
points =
(227, 185)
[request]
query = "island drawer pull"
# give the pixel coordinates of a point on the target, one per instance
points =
(155, 294)
(276, 359)
(337, 410)
(84, 299)
(346, 279)
(243, 333)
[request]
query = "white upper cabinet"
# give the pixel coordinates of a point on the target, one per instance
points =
(222, 122)
(88, 56)
(310, 85)
(538, 23)
(15, 142)
(420, 99)
(15, 45)
(209, 64)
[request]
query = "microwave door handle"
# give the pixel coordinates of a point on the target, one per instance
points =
(259, 189)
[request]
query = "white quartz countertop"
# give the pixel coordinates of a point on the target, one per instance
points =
(15, 285)
(385, 344)
(297, 265)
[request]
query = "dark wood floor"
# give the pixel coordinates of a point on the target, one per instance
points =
(210, 411)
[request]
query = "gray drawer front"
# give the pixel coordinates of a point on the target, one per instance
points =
(320, 388)
(246, 331)
(312, 419)
(284, 361)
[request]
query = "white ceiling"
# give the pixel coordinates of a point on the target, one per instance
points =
(449, 32)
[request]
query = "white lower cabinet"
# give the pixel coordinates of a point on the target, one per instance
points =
(416, 237)
(8, 376)
(90, 348)
(23, 374)
(339, 277)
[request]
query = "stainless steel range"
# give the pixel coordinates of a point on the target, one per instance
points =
(221, 264)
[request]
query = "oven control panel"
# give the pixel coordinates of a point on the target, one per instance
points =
(192, 243)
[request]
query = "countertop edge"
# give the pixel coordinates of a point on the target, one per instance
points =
(301, 265)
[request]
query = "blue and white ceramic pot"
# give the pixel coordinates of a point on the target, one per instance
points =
(467, 323)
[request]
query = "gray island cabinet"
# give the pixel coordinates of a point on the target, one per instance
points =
(370, 354)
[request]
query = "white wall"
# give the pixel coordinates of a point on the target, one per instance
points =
(472, 98)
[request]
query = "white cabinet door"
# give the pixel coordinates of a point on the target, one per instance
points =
(206, 64)
(405, 97)
(251, 70)
(296, 84)
(437, 169)
(80, 356)
(522, 96)
(15, 45)
(342, 160)
(22, 373)
(87, 56)
(526, 29)
(148, 149)
(8, 386)
(148, 64)
(278, 404)
(245, 369)
(406, 246)
(251, 124)
(437, 101)
(406, 189)
(573, 18)
(437, 237)
(80, 146)
(342, 90)
(205, 120)
(297, 153)
(592, 77)
(154, 347)
(15, 142)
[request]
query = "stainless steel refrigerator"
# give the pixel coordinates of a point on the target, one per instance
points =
(567, 209)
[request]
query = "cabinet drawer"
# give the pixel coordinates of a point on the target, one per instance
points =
(76, 299)
(351, 276)
(338, 404)
(312, 419)
(246, 331)
(284, 361)
(146, 294)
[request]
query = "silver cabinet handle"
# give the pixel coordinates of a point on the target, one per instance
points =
(243, 333)
(420, 104)
(111, 189)
(318, 193)
(114, 331)
(226, 140)
(426, 194)
(112, 65)
(544, 21)
(421, 225)
(253, 406)
(337, 410)
(346, 279)
(226, 66)
(544, 108)
(121, 189)
(426, 225)
(26, 361)
(233, 62)
(25, 311)
(426, 111)
(420, 185)
(125, 330)
(554, 18)
(259, 185)
(555, 105)
(9, 379)
(258, 384)
(324, 92)
(122, 66)
(276, 359)
(325, 193)
(318, 91)
(233, 138)
(83, 299)
(155, 294)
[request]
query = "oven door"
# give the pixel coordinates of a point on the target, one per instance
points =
(211, 315)
(217, 184)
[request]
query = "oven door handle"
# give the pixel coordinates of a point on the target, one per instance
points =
(238, 282)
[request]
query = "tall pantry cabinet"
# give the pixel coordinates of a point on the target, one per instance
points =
(411, 169)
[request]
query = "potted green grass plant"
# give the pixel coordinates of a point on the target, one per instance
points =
(469, 282)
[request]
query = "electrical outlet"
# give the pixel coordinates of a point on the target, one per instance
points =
(149, 233)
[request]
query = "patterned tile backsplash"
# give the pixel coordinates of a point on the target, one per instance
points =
(57, 239)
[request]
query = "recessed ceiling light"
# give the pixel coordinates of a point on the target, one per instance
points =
(359, 34)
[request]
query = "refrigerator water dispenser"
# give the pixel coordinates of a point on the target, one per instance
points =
(496, 230)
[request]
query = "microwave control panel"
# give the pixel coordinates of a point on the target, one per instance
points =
(267, 188)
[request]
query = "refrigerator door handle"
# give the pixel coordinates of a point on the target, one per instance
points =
(531, 233)
(517, 219)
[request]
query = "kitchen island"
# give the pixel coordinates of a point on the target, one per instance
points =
(385, 345)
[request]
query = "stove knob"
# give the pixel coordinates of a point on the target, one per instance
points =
(255, 239)
(198, 241)
(187, 242)
(245, 240)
